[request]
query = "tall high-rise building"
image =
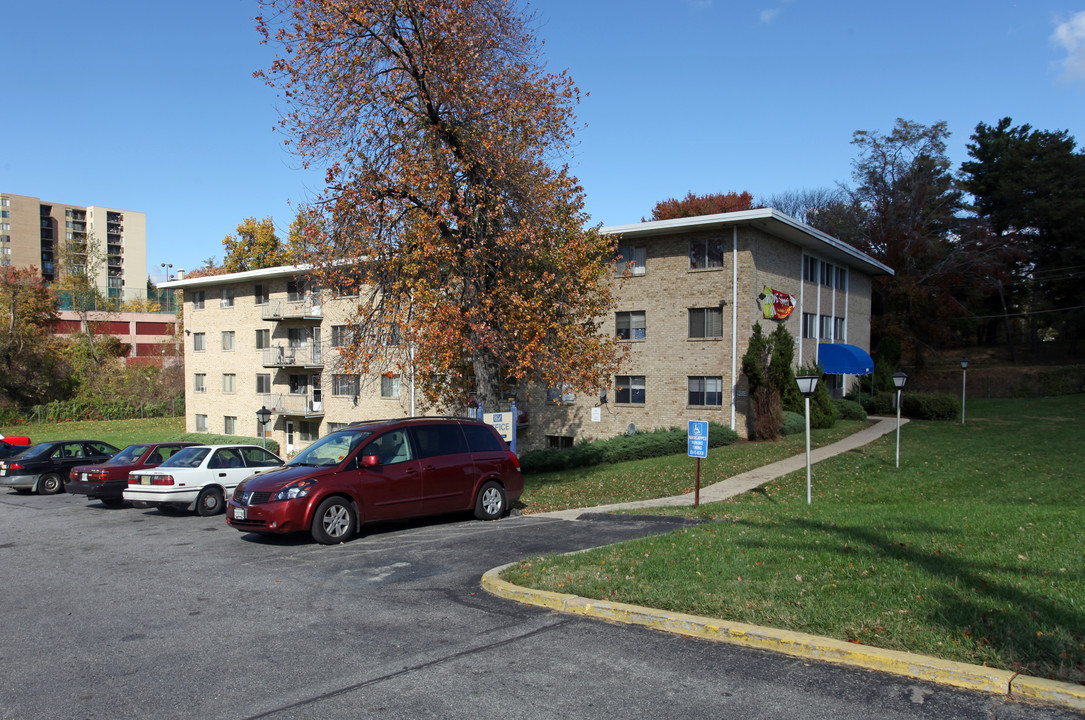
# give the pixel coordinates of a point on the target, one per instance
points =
(42, 234)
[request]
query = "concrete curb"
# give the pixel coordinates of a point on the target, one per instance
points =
(931, 669)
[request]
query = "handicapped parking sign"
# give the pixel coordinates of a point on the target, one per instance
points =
(697, 438)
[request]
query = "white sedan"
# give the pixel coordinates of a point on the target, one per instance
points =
(198, 478)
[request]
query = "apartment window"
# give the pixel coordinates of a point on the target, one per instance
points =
(560, 395)
(5, 226)
(559, 442)
(706, 391)
(336, 427)
(5, 238)
(841, 278)
(259, 294)
(346, 385)
(390, 386)
(226, 298)
(263, 384)
(263, 339)
(705, 253)
(809, 325)
(809, 269)
(341, 335)
(630, 325)
(705, 322)
(307, 431)
(198, 341)
(5, 202)
(827, 274)
(391, 336)
(838, 329)
(197, 299)
(199, 382)
(229, 382)
(297, 337)
(629, 389)
(201, 423)
(227, 339)
(632, 260)
(826, 327)
(5, 213)
(295, 290)
(229, 425)
(299, 384)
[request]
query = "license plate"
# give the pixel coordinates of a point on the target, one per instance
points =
(84, 475)
(239, 513)
(3, 471)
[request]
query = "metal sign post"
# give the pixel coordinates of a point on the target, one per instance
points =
(697, 444)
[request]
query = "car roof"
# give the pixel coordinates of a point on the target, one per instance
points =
(388, 422)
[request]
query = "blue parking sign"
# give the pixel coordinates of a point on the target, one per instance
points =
(697, 438)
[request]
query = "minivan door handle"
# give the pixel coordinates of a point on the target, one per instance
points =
(222, 474)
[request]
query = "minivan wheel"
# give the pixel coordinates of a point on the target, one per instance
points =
(209, 502)
(334, 521)
(491, 503)
(50, 484)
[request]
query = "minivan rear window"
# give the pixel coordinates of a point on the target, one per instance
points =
(481, 439)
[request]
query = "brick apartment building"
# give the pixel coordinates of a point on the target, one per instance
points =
(688, 295)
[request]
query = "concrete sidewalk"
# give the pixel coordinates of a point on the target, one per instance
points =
(746, 481)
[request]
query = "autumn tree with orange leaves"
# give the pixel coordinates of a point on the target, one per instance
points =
(448, 207)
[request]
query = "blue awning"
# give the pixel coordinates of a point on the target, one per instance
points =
(836, 359)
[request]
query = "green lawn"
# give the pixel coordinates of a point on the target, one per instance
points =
(115, 432)
(972, 550)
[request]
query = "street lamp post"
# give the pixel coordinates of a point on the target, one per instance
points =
(964, 384)
(263, 415)
(168, 267)
(899, 378)
(807, 385)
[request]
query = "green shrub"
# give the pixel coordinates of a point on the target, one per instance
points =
(849, 409)
(880, 404)
(930, 406)
(210, 439)
(793, 423)
(653, 443)
(1068, 380)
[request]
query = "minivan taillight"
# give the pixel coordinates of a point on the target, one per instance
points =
(515, 460)
(15, 466)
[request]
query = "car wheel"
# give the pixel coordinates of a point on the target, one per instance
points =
(334, 521)
(491, 503)
(112, 502)
(209, 502)
(50, 484)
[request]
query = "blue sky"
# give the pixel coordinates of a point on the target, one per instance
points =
(152, 106)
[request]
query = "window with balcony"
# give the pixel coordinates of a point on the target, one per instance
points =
(630, 325)
(259, 294)
(263, 339)
(299, 384)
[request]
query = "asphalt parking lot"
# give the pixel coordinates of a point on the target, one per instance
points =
(133, 614)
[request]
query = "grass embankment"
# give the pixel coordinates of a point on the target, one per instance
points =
(662, 476)
(115, 432)
(972, 550)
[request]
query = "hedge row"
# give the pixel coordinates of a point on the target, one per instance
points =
(915, 405)
(653, 443)
(72, 410)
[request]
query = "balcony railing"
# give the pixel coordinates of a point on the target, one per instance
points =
(296, 405)
(283, 357)
(305, 309)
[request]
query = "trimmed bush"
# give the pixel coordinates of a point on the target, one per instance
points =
(209, 439)
(793, 423)
(930, 406)
(849, 409)
(880, 404)
(653, 443)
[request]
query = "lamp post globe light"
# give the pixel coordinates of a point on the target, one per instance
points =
(899, 378)
(964, 384)
(807, 384)
(263, 415)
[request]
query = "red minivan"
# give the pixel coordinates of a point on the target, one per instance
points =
(382, 470)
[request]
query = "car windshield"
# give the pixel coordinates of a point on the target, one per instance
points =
(331, 449)
(129, 455)
(189, 457)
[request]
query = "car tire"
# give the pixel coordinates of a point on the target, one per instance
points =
(491, 503)
(334, 521)
(112, 502)
(209, 502)
(50, 484)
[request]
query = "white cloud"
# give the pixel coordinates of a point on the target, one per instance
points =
(767, 16)
(1070, 36)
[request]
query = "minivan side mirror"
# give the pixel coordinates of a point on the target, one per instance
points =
(369, 461)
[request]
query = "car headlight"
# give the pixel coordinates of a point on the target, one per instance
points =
(295, 490)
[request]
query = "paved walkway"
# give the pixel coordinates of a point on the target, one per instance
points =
(746, 481)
